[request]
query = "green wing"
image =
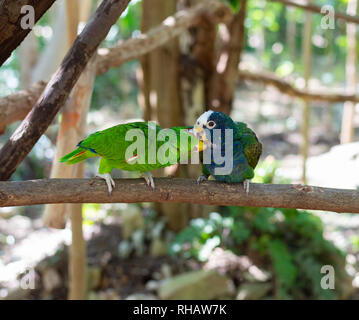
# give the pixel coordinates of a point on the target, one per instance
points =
(111, 143)
(252, 146)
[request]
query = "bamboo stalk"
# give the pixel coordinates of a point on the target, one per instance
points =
(347, 131)
(307, 51)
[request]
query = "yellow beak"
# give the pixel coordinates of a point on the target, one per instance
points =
(201, 136)
(201, 146)
(199, 132)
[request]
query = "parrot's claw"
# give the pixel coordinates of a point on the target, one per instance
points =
(109, 181)
(149, 179)
(246, 185)
(202, 178)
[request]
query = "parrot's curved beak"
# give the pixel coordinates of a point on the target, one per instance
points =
(199, 133)
(200, 146)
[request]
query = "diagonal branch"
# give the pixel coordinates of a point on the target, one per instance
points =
(283, 86)
(12, 34)
(59, 87)
(20, 193)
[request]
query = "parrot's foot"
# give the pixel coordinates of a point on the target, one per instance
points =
(246, 185)
(109, 181)
(149, 179)
(202, 178)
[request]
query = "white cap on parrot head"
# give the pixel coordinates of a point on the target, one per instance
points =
(203, 118)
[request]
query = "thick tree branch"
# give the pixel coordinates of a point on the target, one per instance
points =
(317, 9)
(268, 78)
(59, 87)
(15, 106)
(20, 193)
(12, 34)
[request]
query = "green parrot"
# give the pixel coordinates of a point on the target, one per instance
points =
(246, 147)
(152, 149)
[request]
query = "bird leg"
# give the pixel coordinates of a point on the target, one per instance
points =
(109, 181)
(202, 178)
(149, 179)
(246, 185)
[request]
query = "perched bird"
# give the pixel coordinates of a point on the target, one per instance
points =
(246, 148)
(151, 149)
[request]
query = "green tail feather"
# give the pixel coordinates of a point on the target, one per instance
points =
(75, 156)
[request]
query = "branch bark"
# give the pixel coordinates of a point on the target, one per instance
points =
(12, 34)
(21, 193)
(59, 87)
(15, 106)
(316, 9)
(283, 86)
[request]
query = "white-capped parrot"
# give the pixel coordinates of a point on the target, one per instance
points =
(246, 147)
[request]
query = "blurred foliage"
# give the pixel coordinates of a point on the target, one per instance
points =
(288, 242)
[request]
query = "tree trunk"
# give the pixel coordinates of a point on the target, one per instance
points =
(160, 67)
(347, 132)
(160, 87)
(77, 257)
(196, 70)
(226, 76)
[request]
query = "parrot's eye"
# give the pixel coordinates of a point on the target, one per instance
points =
(211, 124)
